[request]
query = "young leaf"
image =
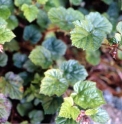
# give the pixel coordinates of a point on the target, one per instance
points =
(119, 27)
(68, 110)
(19, 3)
(73, 71)
(55, 46)
(93, 57)
(101, 116)
(51, 104)
(37, 79)
(61, 120)
(87, 95)
(3, 59)
(4, 12)
(63, 18)
(30, 12)
(42, 1)
(19, 59)
(75, 2)
(11, 86)
(91, 111)
(40, 56)
(32, 34)
(53, 83)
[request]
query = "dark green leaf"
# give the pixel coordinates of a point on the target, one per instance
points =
(73, 71)
(32, 34)
(53, 83)
(75, 2)
(108, 1)
(55, 46)
(3, 59)
(40, 56)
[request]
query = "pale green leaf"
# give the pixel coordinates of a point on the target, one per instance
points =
(30, 12)
(68, 110)
(119, 27)
(118, 37)
(42, 1)
(55, 46)
(4, 12)
(87, 95)
(11, 85)
(101, 116)
(19, 3)
(61, 120)
(53, 83)
(75, 2)
(63, 18)
(3, 59)
(93, 57)
(73, 71)
(91, 111)
(40, 56)
(3, 23)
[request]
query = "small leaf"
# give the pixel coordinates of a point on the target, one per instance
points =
(91, 111)
(53, 83)
(101, 116)
(3, 59)
(119, 27)
(68, 110)
(19, 3)
(118, 37)
(51, 104)
(3, 23)
(73, 71)
(4, 12)
(30, 12)
(64, 18)
(29, 66)
(37, 79)
(32, 34)
(75, 2)
(41, 57)
(11, 85)
(42, 1)
(55, 46)
(93, 57)
(87, 95)
(107, 1)
(12, 22)
(61, 120)
(19, 59)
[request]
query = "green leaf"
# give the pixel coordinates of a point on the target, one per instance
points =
(53, 83)
(87, 95)
(101, 116)
(68, 110)
(29, 66)
(73, 71)
(3, 59)
(61, 120)
(41, 57)
(30, 12)
(63, 18)
(107, 1)
(19, 3)
(51, 104)
(11, 85)
(75, 2)
(12, 22)
(36, 116)
(5, 108)
(93, 57)
(6, 35)
(24, 108)
(19, 59)
(42, 1)
(91, 111)
(3, 23)
(37, 79)
(119, 27)
(4, 12)
(55, 46)
(32, 34)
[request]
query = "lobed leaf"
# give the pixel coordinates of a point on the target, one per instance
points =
(3, 59)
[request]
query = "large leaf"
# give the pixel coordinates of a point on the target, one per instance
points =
(4, 12)
(61, 120)
(51, 104)
(68, 110)
(88, 34)
(55, 46)
(63, 18)
(3, 59)
(30, 12)
(11, 85)
(5, 108)
(53, 83)
(32, 34)
(40, 56)
(87, 95)
(73, 71)
(101, 116)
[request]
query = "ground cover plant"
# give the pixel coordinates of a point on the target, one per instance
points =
(48, 50)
